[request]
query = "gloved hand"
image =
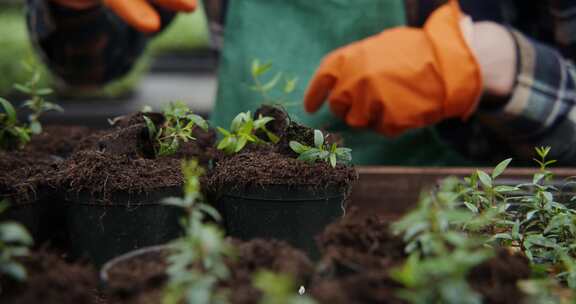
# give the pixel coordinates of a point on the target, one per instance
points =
(139, 14)
(402, 78)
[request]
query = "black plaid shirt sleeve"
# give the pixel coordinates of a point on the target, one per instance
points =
(84, 48)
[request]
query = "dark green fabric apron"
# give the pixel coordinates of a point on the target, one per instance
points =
(295, 35)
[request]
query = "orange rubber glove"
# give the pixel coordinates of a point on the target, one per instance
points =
(139, 14)
(402, 78)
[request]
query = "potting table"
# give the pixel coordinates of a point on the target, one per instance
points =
(391, 191)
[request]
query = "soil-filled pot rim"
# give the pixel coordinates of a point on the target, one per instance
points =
(104, 277)
(282, 193)
(124, 198)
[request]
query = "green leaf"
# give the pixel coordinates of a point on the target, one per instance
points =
(223, 131)
(44, 91)
(241, 144)
(298, 147)
(9, 110)
(318, 138)
(471, 207)
(22, 88)
(14, 233)
(13, 270)
(499, 169)
(199, 121)
(333, 160)
(225, 142)
(485, 179)
(272, 83)
(35, 127)
(152, 131)
(290, 85)
(259, 69)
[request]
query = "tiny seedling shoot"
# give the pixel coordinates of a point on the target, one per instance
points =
(322, 151)
(177, 128)
(196, 261)
(14, 242)
(13, 133)
(243, 131)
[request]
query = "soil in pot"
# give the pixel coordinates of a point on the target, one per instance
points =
(23, 183)
(51, 281)
(497, 278)
(140, 278)
(265, 192)
(58, 140)
(115, 188)
(353, 245)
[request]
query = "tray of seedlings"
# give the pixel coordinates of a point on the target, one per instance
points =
(161, 207)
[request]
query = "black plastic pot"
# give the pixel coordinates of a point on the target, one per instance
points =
(135, 254)
(27, 215)
(100, 231)
(292, 214)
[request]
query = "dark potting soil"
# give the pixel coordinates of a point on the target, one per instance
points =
(352, 245)
(51, 281)
(271, 164)
(102, 174)
(271, 168)
(371, 287)
(58, 140)
(497, 278)
(22, 173)
(141, 279)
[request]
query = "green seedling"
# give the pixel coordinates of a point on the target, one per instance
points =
(279, 289)
(441, 252)
(177, 128)
(14, 134)
(36, 101)
(14, 242)
(259, 70)
(321, 151)
(243, 130)
(197, 260)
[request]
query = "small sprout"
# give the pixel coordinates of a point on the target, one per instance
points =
(178, 127)
(14, 242)
(331, 154)
(243, 131)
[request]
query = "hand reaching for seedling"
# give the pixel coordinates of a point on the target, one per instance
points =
(322, 151)
(243, 131)
(177, 128)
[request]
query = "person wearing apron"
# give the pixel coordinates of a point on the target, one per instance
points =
(420, 88)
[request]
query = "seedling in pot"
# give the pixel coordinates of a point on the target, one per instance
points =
(14, 242)
(322, 151)
(177, 128)
(279, 289)
(243, 131)
(196, 261)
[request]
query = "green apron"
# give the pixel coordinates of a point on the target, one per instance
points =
(295, 35)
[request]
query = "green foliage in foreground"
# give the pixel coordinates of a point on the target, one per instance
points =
(196, 261)
(454, 227)
(14, 242)
(321, 151)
